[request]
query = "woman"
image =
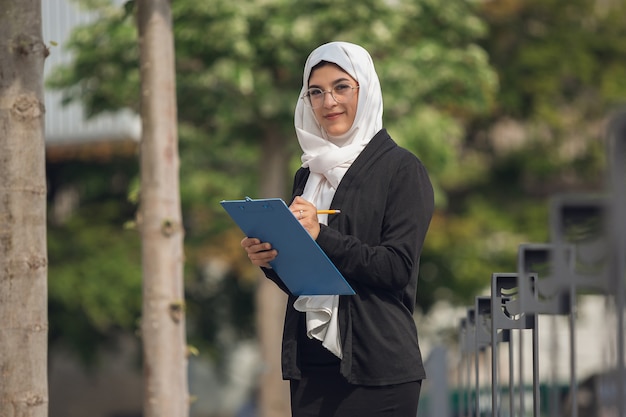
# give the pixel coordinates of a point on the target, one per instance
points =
(355, 355)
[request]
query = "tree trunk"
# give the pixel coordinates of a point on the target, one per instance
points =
(163, 317)
(270, 301)
(23, 250)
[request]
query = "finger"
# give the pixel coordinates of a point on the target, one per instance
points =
(263, 258)
(299, 213)
(300, 200)
(248, 241)
(252, 245)
(300, 203)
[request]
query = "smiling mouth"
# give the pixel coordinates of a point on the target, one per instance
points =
(332, 115)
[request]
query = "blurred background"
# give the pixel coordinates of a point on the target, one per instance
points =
(505, 102)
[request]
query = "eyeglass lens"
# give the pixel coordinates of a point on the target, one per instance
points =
(340, 93)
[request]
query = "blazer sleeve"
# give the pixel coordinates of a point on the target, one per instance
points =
(384, 246)
(273, 276)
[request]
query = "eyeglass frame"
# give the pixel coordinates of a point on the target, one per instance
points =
(307, 97)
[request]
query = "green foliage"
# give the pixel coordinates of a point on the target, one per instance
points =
(239, 68)
(220, 311)
(555, 60)
(560, 63)
(230, 53)
(449, 75)
(94, 264)
(557, 53)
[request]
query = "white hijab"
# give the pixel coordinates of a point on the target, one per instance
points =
(329, 157)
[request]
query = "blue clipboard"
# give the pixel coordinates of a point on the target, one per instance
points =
(301, 264)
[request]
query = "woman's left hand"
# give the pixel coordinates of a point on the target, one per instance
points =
(306, 213)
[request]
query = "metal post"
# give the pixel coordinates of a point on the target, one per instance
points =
(536, 402)
(580, 237)
(554, 354)
(572, 356)
(461, 381)
(549, 295)
(521, 385)
(495, 408)
(483, 325)
(617, 184)
(471, 349)
(511, 378)
(506, 314)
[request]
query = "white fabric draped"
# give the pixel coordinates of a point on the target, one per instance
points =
(329, 157)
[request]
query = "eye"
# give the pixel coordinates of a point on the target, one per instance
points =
(342, 88)
(314, 92)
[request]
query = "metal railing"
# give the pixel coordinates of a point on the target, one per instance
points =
(586, 255)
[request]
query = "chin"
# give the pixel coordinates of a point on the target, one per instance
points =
(336, 131)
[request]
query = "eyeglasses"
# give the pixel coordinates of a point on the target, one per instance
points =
(341, 93)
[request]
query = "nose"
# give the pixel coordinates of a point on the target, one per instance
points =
(329, 100)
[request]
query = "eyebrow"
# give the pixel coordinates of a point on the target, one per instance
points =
(333, 83)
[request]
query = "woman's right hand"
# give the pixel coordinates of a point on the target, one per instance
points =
(259, 253)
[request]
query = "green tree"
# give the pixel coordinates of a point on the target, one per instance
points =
(239, 66)
(561, 69)
(95, 272)
(495, 160)
(561, 72)
(239, 70)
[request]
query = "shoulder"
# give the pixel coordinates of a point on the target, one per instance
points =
(383, 148)
(382, 159)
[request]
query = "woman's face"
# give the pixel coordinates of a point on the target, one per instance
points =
(335, 118)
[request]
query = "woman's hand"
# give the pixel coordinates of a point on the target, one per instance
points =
(306, 213)
(259, 253)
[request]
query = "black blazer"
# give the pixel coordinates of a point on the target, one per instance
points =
(386, 202)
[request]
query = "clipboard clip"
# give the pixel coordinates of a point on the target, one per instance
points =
(253, 208)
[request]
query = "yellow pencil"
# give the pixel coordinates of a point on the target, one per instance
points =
(328, 211)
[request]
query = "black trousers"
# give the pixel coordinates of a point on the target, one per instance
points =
(330, 395)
